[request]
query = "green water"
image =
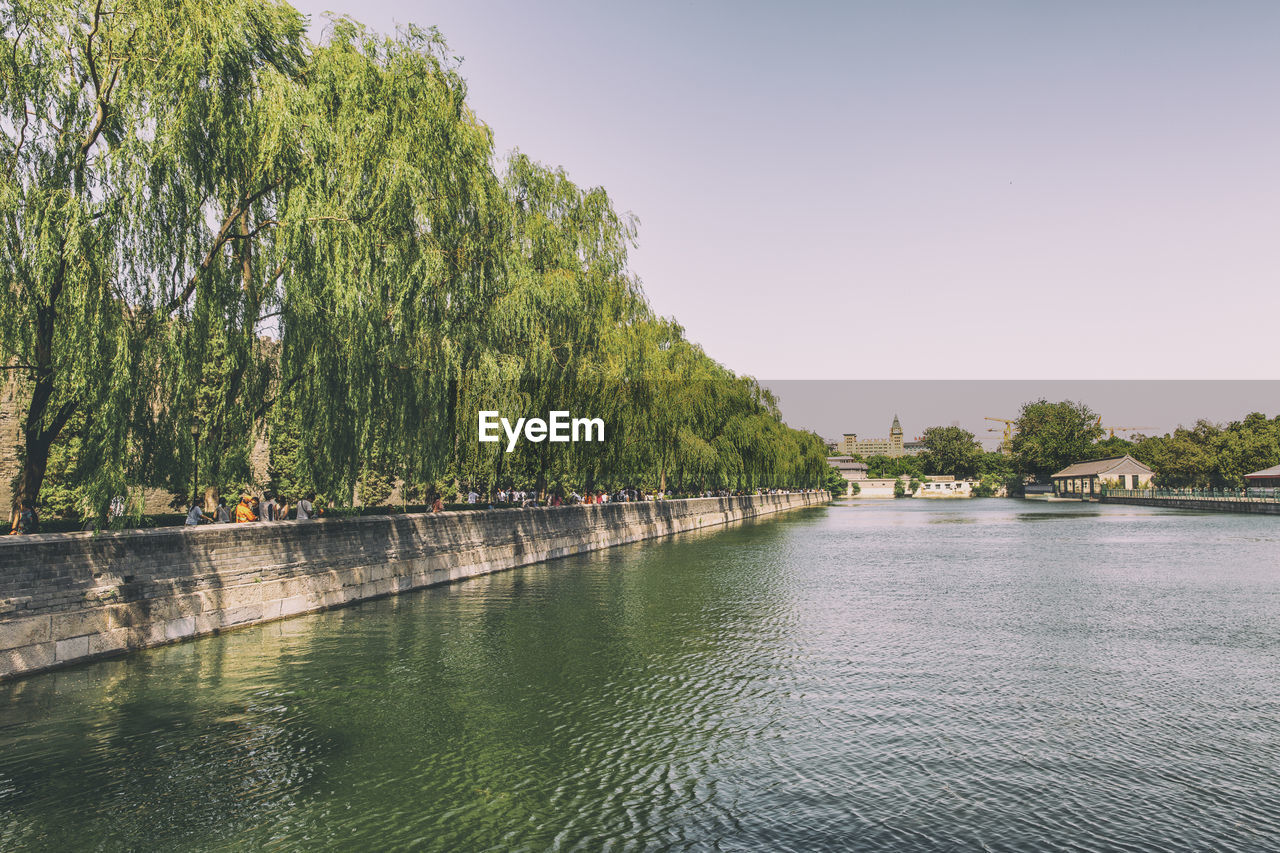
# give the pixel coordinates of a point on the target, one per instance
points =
(899, 675)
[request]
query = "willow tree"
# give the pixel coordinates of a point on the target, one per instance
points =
(212, 224)
(206, 217)
(386, 245)
(564, 297)
(100, 109)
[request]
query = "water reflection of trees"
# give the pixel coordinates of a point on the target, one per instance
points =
(461, 714)
(184, 744)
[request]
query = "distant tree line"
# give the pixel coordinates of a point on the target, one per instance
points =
(214, 227)
(1049, 436)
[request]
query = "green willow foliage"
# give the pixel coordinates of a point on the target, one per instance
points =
(212, 223)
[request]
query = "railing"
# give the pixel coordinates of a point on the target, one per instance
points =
(1252, 495)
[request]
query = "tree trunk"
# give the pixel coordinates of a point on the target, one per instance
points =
(37, 440)
(33, 468)
(541, 485)
(451, 423)
(38, 436)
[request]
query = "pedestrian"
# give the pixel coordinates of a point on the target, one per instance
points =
(270, 509)
(306, 509)
(437, 505)
(196, 514)
(472, 497)
(28, 522)
(244, 511)
(222, 514)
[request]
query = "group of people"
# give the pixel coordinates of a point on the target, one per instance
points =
(270, 508)
(250, 508)
(557, 497)
(520, 497)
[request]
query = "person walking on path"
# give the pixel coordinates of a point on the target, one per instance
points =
(244, 512)
(196, 514)
(222, 514)
(270, 509)
(437, 505)
(306, 509)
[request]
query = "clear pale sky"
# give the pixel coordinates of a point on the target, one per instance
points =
(913, 189)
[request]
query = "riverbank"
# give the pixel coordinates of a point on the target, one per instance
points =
(66, 598)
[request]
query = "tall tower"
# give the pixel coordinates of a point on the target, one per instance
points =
(895, 438)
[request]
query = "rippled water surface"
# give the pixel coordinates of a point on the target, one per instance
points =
(901, 675)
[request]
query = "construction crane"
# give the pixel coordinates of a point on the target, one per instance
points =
(1112, 430)
(1006, 443)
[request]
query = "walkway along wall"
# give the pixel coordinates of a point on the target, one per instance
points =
(75, 596)
(1200, 504)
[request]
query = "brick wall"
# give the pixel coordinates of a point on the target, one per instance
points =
(12, 409)
(75, 596)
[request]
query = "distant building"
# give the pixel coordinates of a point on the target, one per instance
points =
(934, 486)
(894, 446)
(881, 487)
(1086, 479)
(848, 467)
(938, 486)
(1267, 478)
(853, 472)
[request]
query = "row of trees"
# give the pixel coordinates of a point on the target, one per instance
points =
(1210, 455)
(215, 227)
(1052, 435)
(1048, 436)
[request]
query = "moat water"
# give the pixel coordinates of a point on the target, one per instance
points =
(896, 675)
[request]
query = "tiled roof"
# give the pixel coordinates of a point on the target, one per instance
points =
(1265, 473)
(1097, 467)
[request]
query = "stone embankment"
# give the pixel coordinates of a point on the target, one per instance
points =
(76, 596)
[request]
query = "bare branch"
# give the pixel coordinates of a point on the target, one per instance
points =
(93, 64)
(102, 95)
(224, 235)
(249, 235)
(285, 387)
(60, 419)
(274, 223)
(26, 113)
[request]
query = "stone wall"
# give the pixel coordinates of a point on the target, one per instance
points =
(12, 411)
(876, 488)
(75, 596)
